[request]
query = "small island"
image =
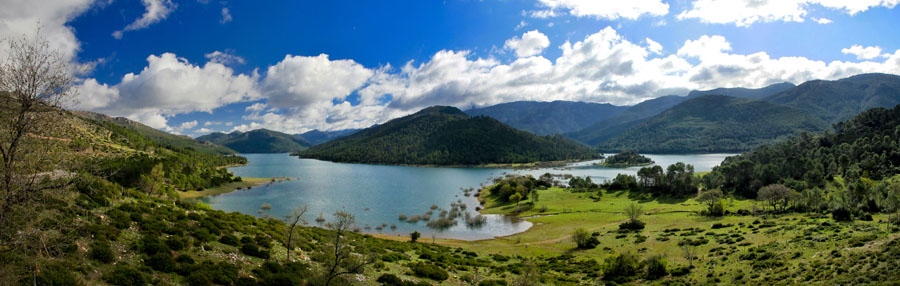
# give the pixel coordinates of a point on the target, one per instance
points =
(626, 159)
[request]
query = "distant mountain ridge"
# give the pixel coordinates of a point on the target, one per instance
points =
(747, 93)
(443, 135)
(547, 118)
(714, 123)
(839, 100)
(316, 137)
(257, 141)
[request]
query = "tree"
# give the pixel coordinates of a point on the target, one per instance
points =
(516, 198)
(340, 259)
(34, 81)
(414, 236)
(690, 253)
(775, 195)
(292, 220)
(634, 211)
(710, 198)
(530, 275)
(584, 240)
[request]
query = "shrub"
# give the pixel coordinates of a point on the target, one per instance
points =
(656, 267)
(100, 251)
(52, 274)
(621, 268)
(494, 282)
(199, 279)
(841, 214)
(175, 243)
(632, 225)
(150, 245)
(253, 250)
(124, 274)
(229, 240)
(388, 279)
(585, 240)
(184, 258)
(162, 262)
(393, 257)
(430, 271)
(414, 236)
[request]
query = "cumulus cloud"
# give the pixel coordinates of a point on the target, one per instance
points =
(155, 11)
(531, 43)
(23, 17)
(744, 13)
(299, 82)
(168, 86)
(653, 46)
(864, 53)
(603, 9)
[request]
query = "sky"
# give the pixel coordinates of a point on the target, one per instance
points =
(198, 66)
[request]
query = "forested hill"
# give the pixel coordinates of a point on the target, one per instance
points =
(258, 141)
(547, 118)
(613, 126)
(714, 123)
(443, 135)
(860, 150)
(840, 100)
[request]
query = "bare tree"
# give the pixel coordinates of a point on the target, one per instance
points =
(33, 82)
(292, 220)
(634, 211)
(690, 253)
(341, 260)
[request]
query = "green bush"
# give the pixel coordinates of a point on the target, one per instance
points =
(150, 245)
(493, 282)
(162, 262)
(100, 251)
(229, 240)
(632, 225)
(53, 274)
(198, 279)
(430, 271)
(124, 274)
(253, 250)
(175, 243)
(656, 267)
(621, 268)
(393, 257)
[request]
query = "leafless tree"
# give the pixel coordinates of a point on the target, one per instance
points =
(292, 220)
(690, 253)
(341, 260)
(34, 80)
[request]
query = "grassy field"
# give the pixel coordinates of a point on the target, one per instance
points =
(720, 244)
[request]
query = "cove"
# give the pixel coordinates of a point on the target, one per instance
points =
(378, 194)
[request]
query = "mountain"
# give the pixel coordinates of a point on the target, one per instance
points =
(748, 93)
(442, 135)
(162, 138)
(838, 100)
(316, 137)
(257, 141)
(545, 118)
(714, 123)
(613, 126)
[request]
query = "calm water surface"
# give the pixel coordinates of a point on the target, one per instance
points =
(377, 194)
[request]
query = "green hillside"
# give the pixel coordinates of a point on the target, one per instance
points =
(613, 126)
(161, 137)
(840, 100)
(446, 136)
(714, 123)
(257, 141)
(547, 118)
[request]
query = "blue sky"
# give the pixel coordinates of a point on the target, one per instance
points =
(193, 67)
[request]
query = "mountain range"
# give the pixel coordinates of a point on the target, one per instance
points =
(547, 118)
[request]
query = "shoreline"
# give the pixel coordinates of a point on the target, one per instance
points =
(514, 166)
(245, 183)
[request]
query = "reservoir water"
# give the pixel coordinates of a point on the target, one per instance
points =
(377, 194)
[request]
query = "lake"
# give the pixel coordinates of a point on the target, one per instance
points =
(377, 194)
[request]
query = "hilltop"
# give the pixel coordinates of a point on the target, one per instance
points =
(258, 141)
(443, 135)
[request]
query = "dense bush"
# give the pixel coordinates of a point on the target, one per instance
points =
(632, 225)
(124, 274)
(229, 240)
(656, 267)
(253, 250)
(621, 268)
(430, 271)
(162, 262)
(100, 251)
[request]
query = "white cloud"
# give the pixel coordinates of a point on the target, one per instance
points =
(23, 17)
(226, 16)
(155, 11)
(168, 86)
(299, 82)
(822, 20)
(188, 125)
(203, 131)
(531, 43)
(93, 95)
(744, 13)
(256, 107)
(603, 9)
(864, 53)
(653, 46)
(226, 58)
(521, 25)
